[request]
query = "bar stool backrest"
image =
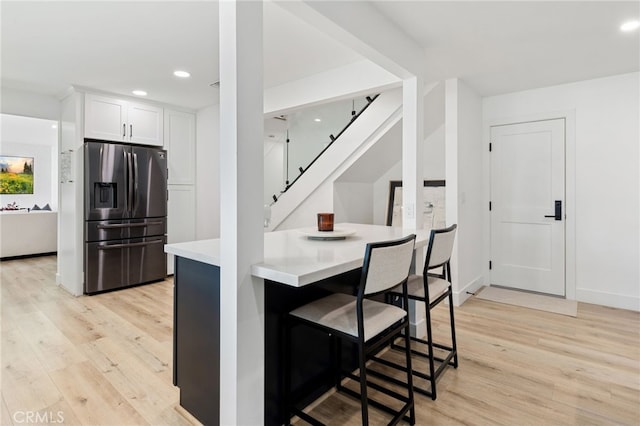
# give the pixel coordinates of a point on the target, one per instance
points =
(440, 247)
(386, 264)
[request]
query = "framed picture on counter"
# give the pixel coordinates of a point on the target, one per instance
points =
(433, 197)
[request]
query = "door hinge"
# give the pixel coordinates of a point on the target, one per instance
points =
(490, 146)
(490, 264)
(489, 205)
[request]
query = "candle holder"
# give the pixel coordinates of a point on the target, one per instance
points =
(325, 222)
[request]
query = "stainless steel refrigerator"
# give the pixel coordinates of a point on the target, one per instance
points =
(125, 215)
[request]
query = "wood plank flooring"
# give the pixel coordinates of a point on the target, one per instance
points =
(106, 360)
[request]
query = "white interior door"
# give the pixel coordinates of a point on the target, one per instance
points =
(527, 181)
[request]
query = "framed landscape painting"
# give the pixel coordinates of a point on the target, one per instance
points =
(16, 175)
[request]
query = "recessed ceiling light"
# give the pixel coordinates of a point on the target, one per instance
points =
(182, 74)
(139, 93)
(54, 126)
(317, 120)
(630, 26)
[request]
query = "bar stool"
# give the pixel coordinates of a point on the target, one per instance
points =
(370, 324)
(434, 287)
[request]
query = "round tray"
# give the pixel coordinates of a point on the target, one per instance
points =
(336, 234)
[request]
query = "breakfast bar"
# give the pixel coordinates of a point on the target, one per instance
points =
(299, 266)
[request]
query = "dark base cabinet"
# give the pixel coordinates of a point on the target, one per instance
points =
(311, 366)
(196, 342)
(196, 338)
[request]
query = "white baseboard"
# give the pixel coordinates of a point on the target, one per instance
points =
(58, 279)
(613, 300)
(461, 296)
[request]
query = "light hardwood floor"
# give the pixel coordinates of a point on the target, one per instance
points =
(106, 360)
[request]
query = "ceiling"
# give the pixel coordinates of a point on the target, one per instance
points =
(119, 46)
(507, 46)
(496, 47)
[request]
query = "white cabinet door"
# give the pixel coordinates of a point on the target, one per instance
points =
(144, 124)
(181, 217)
(113, 119)
(180, 143)
(105, 118)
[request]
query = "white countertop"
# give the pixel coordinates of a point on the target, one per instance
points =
(291, 258)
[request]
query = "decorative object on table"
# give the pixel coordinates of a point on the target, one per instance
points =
(36, 207)
(336, 234)
(433, 197)
(12, 206)
(16, 175)
(325, 222)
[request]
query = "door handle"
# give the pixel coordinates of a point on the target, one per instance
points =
(558, 210)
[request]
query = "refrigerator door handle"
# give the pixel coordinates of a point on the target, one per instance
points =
(129, 183)
(128, 225)
(135, 182)
(119, 246)
(126, 179)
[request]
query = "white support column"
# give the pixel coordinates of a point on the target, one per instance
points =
(412, 147)
(413, 176)
(241, 230)
(451, 167)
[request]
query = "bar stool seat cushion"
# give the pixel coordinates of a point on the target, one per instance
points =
(338, 311)
(415, 287)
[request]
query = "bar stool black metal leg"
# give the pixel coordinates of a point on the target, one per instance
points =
(363, 385)
(410, 393)
(432, 370)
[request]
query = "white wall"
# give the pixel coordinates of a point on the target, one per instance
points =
(43, 167)
(466, 200)
(320, 200)
(607, 182)
(29, 104)
(36, 138)
(208, 173)
(353, 202)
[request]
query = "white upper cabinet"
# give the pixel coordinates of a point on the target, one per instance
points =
(105, 118)
(180, 143)
(145, 124)
(117, 120)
